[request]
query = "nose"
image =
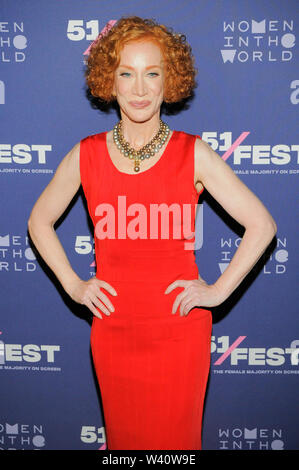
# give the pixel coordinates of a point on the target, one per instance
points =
(139, 87)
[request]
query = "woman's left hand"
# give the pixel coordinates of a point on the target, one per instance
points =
(197, 293)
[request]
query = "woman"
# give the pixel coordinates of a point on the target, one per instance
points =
(151, 330)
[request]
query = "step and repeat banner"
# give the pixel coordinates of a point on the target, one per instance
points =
(246, 107)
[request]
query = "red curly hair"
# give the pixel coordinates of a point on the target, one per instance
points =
(104, 58)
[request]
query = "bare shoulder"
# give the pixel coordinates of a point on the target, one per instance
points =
(60, 190)
(71, 162)
(208, 162)
(67, 174)
(201, 155)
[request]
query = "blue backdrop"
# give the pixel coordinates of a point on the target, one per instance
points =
(246, 108)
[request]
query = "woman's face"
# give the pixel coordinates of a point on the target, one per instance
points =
(140, 78)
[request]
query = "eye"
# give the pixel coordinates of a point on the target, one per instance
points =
(127, 73)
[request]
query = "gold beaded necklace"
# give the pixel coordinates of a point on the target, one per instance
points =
(147, 150)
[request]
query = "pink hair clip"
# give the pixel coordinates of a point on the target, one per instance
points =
(104, 31)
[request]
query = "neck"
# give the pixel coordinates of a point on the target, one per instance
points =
(139, 134)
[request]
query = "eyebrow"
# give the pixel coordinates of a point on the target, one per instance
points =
(146, 68)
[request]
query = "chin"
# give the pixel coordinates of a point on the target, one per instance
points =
(140, 116)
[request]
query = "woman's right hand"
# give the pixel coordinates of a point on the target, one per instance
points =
(89, 292)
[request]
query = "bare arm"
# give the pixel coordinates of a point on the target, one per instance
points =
(244, 206)
(50, 205)
(46, 211)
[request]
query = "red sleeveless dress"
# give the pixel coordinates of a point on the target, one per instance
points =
(152, 366)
